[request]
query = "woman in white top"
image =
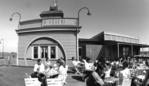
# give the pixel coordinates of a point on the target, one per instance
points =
(61, 67)
(125, 75)
(126, 71)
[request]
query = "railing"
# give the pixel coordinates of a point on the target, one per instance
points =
(59, 21)
(48, 22)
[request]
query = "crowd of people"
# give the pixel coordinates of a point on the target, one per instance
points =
(43, 70)
(102, 72)
(123, 71)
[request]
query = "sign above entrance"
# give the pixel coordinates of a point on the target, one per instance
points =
(59, 21)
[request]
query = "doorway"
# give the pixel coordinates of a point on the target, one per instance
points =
(44, 52)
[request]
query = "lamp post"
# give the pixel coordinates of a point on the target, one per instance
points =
(13, 14)
(78, 25)
(11, 18)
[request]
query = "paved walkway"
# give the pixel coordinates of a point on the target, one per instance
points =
(14, 76)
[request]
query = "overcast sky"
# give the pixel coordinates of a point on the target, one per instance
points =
(128, 17)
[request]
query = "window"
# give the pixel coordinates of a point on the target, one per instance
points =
(53, 52)
(44, 51)
(35, 52)
(125, 51)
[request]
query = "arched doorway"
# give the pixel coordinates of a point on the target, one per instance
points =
(45, 47)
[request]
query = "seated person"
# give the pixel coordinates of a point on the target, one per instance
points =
(62, 70)
(55, 67)
(47, 63)
(39, 72)
(39, 67)
(76, 65)
(61, 67)
(50, 72)
(56, 70)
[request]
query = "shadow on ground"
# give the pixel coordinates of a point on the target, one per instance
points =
(14, 76)
(78, 77)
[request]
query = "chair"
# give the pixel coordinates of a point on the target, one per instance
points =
(32, 82)
(60, 81)
(55, 82)
(77, 67)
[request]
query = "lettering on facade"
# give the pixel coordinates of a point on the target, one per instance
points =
(50, 22)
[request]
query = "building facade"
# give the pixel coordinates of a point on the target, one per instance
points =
(110, 46)
(52, 36)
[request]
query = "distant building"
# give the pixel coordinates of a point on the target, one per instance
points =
(8, 59)
(110, 46)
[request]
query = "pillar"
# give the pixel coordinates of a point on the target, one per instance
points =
(32, 52)
(39, 52)
(49, 52)
(118, 50)
(131, 50)
(56, 50)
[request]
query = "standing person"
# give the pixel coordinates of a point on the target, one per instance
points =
(126, 71)
(94, 78)
(39, 70)
(146, 80)
(89, 67)
(108, 70)
(125, 75)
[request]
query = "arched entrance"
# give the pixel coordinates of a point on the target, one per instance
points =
(45, 47)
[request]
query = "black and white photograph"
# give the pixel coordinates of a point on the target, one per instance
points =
(74, 42)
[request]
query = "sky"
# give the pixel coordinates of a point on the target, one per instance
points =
(128, 17)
